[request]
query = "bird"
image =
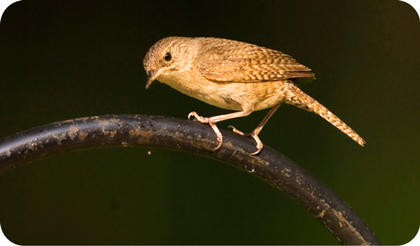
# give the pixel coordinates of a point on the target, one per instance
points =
(236, 76)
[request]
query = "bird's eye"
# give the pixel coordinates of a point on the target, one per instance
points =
(167, 56)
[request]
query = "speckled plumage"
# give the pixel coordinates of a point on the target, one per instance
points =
(234, 75)
(226, 60)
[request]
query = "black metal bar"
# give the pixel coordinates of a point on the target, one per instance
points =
(178, 134)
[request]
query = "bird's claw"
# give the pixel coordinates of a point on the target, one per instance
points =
(219, 136)
(192, 114)
(235, 130)
(254, 136)
(197, 117)
(216, 130)
(259, 144)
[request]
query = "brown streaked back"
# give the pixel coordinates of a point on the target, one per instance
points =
(226, 60)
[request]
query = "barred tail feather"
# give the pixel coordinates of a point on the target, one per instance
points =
(300, 99)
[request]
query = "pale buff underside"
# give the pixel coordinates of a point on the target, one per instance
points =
(247, 96)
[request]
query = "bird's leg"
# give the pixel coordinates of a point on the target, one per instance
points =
(257, 130)
(213, 120)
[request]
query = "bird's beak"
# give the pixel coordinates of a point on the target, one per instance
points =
(152, 76)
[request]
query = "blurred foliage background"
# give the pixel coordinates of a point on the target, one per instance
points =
(67, 59)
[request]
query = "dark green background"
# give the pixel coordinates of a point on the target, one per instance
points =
(67, 59)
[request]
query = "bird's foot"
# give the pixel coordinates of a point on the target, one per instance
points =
(254, 136)
(259, 146)
(198, 118)
(208, 120)
(235, 130)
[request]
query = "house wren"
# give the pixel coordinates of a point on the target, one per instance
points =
(234, 75)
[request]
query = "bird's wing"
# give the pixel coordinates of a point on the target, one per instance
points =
(226, 60)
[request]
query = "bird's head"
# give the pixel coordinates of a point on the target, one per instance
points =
(165, 56)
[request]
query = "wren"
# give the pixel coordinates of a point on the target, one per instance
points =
(236, 76)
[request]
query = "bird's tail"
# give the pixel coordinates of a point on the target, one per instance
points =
(299, 99)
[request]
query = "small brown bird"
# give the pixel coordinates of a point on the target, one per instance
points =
(234, 75)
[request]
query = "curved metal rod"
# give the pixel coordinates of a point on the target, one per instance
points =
(178, 134)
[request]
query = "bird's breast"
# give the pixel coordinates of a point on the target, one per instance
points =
(228, 95)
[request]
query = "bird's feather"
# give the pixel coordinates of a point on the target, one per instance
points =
(224, 60)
